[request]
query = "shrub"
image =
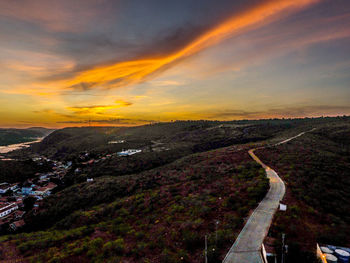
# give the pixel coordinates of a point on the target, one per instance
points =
(92, 252)
(112, 247)
(96, 243)
(191, 239)
(55, 259)
(121, 229)
(168, 257)
(231, 203)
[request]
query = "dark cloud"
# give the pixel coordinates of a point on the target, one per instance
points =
(114, 44)
(48, 111)
(25, 122)
(83, 86)
(106, 121)
(287, 112)
(100, 50)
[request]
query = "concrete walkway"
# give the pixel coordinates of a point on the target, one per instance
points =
(247, 246)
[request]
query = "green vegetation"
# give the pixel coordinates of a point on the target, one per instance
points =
(160, 215)
(18, 171)
(13, 136)
(187, 136)
(316, 169)
(160, 143)
(158, 205)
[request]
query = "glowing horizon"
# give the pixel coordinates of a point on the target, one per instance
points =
(248, 61)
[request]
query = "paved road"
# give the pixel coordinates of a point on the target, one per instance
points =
(246, 248)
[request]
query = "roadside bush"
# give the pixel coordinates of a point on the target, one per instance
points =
(191, 239)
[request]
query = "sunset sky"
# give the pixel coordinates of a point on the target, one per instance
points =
(129, 62)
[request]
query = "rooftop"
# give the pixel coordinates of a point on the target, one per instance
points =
(330, 252)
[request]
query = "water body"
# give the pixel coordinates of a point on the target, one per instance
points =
(13, 147)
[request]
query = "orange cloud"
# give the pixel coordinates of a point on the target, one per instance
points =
(136, 71)
(98, 109)
(122, 103)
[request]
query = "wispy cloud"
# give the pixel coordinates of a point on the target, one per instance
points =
(110, 121)
(122, 103)
(100, 121)
(53, 112)
(54, 15)
(163, 83)
(282, 112)
(135, 71)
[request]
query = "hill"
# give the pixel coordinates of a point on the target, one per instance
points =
(160, 215)
(316, 169)
(191, 179)
(194, 135)
(13, 136)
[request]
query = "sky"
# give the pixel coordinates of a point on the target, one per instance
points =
(131, 62)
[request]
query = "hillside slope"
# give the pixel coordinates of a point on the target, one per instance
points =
(161, 215)
(181, 137)
(13, 136)
(316, 169)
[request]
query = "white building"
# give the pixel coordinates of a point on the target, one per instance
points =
(6, 209)
(129, 152)
(4, 187)
(116, 142)
(46, 190)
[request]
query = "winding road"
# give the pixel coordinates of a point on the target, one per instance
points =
(247, 247)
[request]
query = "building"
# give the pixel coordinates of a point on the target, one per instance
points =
(27, 190)
(36, 207)
(116, 142)
(45, 190)
(128, 152)
(17, 224)
(4, 187)
(19, 202)
(7, 208)
(42, 177)
(331, 254)
(14, 186)
(19, 214)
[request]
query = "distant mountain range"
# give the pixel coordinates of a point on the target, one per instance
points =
(12, 136)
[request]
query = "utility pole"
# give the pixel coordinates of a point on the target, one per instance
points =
(216, 231)
(206, 250)
(283, 236)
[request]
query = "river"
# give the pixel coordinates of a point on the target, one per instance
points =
(12, 147)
